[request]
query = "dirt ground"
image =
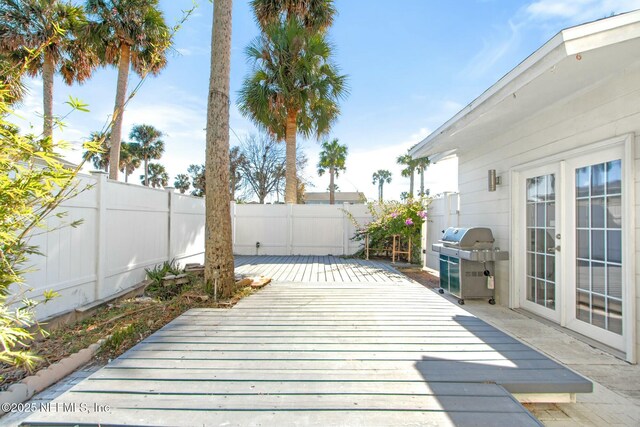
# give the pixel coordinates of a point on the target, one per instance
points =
(422, 277)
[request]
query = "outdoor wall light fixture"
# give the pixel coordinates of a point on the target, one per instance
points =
(493, 180)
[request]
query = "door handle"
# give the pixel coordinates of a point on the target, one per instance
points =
(554, 249)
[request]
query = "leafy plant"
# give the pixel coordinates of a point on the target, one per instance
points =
(33, 184)
(394, 218)
(156, 274)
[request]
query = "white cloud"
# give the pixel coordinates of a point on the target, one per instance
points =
(493, 50)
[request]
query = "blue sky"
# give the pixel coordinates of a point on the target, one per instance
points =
(412, 64)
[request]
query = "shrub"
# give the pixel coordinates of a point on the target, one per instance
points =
(33, 184)
(394, 218)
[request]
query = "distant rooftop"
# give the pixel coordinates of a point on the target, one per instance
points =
(340, 197)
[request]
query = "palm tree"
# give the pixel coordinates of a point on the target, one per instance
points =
(198, 180)
(158, 176)
(11, 78)
(43, 36)
(421, 165)
(293, 88)
(409, 170)
(129, 34)
(100, 160)
(182, 183)
(129, 160)
(315, 15)
(147, 146)
(332, 158)
(380, 177)
(218, 260)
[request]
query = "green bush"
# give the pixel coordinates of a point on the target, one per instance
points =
(156, 274)
(33, 184)
(394, 218)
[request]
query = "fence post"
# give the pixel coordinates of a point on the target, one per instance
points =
(345, 228)
(233, 225)
(170, 218)
(289, 229)
(101, 231)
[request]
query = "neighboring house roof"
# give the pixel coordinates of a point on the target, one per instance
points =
(340, 197)
(573, 60)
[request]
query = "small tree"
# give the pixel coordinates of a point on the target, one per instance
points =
(236, 158)
(129, 160)
(380, 177)
(99, 159)
(332, 158)
(409, 171)
(421, 166)
(158, 176)
(182, 183)
(147, 146)
(198, 180)
(263, 166)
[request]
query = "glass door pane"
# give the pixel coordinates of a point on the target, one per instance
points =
(598, 260)
(541, 240)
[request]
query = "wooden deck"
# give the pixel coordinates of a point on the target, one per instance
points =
(318, 269)
(320, 353)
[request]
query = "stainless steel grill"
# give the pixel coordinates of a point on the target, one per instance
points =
(467, 258)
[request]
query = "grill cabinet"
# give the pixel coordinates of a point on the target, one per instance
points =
(467, 258)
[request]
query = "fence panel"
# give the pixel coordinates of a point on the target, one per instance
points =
(296, 229)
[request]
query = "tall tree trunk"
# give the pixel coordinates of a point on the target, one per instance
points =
(421, 182)
(332, 196)
(126, 175)
(218, 246)
(411, 178)
(118, 111)
(146, 171)
(291, 176)
(47, 95)
(380, 191)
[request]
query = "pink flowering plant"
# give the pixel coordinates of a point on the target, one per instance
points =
(389, 218)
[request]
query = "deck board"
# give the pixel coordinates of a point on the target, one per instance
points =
(330, 342)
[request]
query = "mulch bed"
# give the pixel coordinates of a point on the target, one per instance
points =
(122, 324)
(424, 278)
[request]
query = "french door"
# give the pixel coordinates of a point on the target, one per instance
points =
(542, 241)
(573, 239)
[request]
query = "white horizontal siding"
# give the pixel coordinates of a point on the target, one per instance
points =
(606, 110)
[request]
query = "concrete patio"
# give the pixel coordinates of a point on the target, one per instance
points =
(335, 352)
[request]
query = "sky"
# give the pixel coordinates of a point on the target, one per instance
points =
(411, 65)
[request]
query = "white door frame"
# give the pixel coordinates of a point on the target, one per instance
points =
(521, 254)
(628, 142)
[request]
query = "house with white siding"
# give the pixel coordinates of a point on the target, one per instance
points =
(561, 131)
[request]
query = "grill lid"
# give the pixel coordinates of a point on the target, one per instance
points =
(468, 238)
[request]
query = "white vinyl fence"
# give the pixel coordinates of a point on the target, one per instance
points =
(127, 228)
(296, 229)
(442, 213)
